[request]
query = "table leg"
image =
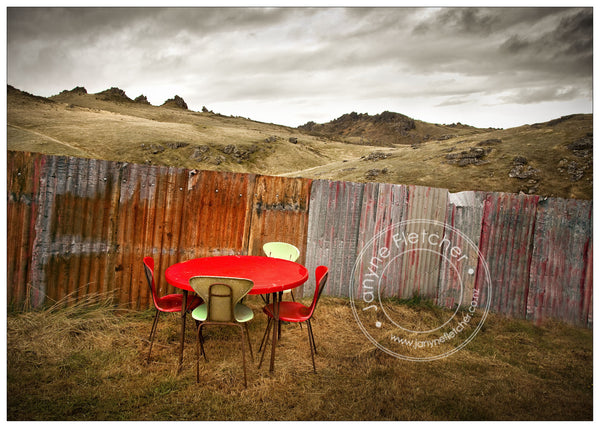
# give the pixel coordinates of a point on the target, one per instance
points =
(275, 333)
(183, 311)
(278, 323)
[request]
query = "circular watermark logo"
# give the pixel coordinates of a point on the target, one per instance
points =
(420, 290)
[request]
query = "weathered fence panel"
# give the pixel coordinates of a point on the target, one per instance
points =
(279, 213)
(23, 179)
(458, 275)
(420, 270)
(177, 214)
(172, 183)
(132, 218)
(79, 226)
(560, 284)
(333, 226)
(73, 230)
(506, 245)
(383, 207)
(216, 214)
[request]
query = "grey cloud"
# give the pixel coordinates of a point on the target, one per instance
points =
(543, 94)
(141, 25)
(222, 54)
(482, 21)
(566, 49)
(468, 20)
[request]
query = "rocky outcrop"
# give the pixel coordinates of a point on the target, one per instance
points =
(583, 150)
(113, 94)
(176, 102)
(375, 156)
(24, 97)
(583, 147)
(142, 100)
(521, 170)
(376, 172)
(77, 90)
(240, 153)
(384, 129)
(473, 156)
(200, 153)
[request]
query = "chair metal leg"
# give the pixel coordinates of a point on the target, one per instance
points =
(184, 303)
(266, 341)
(198, 355)
(248, 338)
(201, 340)
(243, 355)
(279, 321)
(153, 333)
(311, 344)
(262, 342)
(312, 335)
(277, 327)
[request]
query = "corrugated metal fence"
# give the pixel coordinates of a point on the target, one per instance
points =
(78, 226)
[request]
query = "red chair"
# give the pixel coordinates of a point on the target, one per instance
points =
(168, 303)
(297, 312)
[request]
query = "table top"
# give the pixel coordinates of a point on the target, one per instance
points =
(269, 274)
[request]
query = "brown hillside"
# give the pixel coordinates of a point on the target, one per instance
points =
(385, 129)
(549, 159)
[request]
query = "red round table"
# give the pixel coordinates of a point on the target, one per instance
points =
(270, 276)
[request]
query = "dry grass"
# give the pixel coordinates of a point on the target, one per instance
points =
(87, 362)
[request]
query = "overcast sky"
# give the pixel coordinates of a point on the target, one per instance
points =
(488, 67)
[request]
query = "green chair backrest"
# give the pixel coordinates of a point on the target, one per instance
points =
(221, 294)
(281, 250)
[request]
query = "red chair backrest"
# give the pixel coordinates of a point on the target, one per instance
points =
(149, 268)
(321, 275)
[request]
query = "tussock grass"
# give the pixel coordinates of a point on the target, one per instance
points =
(88, 362)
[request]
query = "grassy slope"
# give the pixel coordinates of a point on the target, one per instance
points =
(84, 125)
(426, 164)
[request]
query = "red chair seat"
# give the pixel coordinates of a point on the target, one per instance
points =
(168, 303)
(296, 312)
(173, 302)
(289, 311)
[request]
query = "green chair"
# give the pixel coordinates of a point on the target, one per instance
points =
(282, 250)
(222, 307)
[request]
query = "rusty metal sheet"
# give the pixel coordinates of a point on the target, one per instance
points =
(175, 214)
(383, 207)
(170, 203)
(23, 178)
(333, 227)
(279, 213)
(561, 283)
(420, 271)
(71, 245)
(78, 226)
(131, 211)
(46, 245)
(183, 214)
(163, 244)
(506, 245)
(457, 275)
(216, 215)
(588, 286)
